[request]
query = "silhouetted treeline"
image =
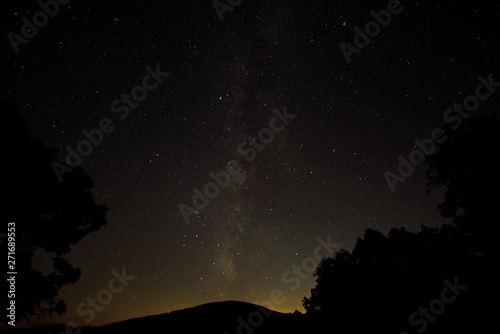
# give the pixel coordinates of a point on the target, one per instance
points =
(49, 216)
(438, 279)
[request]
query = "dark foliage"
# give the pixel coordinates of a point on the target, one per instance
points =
(50, 216)
(386, 279)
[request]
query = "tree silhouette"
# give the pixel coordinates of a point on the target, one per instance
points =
(387, 278)
(467, 166)
(49, 216)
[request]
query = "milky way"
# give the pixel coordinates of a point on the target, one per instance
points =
(322, 174)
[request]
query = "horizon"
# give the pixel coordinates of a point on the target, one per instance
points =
(71, 323)
(232, 145)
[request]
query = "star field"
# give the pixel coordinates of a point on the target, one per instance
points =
(323, 174)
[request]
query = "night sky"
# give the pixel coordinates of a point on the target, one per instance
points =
(321, 175)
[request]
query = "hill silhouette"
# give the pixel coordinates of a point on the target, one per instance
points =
(232, 317)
